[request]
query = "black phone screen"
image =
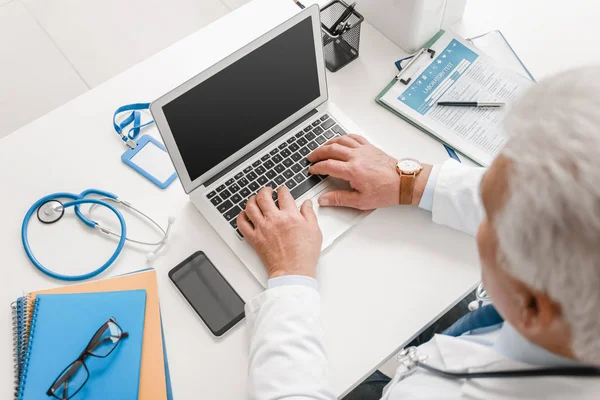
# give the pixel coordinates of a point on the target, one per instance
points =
(209, 294)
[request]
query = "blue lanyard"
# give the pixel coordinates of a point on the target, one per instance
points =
(135, 118)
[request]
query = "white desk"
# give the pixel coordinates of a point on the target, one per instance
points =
(381, 282)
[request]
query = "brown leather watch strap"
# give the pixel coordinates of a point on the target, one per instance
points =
(407, 186)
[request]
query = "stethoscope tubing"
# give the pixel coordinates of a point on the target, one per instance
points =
(134, 209)
(86, 193)
(76, 201)
(411, 360)
(580, 371)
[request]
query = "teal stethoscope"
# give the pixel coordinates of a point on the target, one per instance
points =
(50, 209)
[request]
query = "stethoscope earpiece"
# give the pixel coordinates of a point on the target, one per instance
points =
(482, 298)
(474, 305)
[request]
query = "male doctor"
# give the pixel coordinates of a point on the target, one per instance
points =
(536, 214)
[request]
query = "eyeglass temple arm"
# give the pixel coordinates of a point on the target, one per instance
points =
(63, 379)
(95, 339)
(122, 336)
(65, 395)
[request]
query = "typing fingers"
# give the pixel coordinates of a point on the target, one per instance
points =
(286, 201)
(265, 201)
(333, 151)
(358, 138)
(253, 211)
(308, 212)
(335, 168)
(347, 141)
(244, 225)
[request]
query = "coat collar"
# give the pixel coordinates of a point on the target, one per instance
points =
(461, 354)
(513, 345)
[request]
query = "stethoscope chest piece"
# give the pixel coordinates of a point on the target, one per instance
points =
(50, 212)
(410, 359)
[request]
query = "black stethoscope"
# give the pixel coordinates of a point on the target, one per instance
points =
(412, 360)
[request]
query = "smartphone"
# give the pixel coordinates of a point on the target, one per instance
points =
(209, 294)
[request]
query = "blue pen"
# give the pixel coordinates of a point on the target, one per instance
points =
(452, 153)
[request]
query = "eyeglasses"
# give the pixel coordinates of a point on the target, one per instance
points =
(74, 377)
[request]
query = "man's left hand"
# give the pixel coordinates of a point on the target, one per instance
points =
(287, 240)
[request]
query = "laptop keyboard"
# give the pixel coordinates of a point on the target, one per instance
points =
(284, 165)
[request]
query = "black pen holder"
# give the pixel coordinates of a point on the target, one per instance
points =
(340, 42)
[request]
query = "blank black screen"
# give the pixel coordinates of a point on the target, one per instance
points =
(208, 293)
(232, 108)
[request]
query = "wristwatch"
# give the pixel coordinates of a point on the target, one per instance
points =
(408, 168)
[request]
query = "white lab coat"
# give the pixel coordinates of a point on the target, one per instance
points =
(288, 359)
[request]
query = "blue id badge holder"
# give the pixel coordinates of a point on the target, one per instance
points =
(145, 155)
(151, 160)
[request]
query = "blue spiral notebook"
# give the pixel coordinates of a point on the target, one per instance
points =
(61, 327)
(21, 314)
(20, 318)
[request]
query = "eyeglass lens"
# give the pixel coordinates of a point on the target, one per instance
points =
(70, 381)
(107, 341)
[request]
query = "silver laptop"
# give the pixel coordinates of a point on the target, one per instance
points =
(249, 121)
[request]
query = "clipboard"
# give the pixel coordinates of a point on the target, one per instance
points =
(496, 37)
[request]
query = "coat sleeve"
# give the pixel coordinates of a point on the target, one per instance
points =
(287, 354)
(457, 197)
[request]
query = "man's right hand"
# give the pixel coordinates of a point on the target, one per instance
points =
(371, 173)
(287, 240)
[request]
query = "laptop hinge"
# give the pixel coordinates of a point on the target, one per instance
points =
(259, 148)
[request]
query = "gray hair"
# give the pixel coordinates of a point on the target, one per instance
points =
(549, 229)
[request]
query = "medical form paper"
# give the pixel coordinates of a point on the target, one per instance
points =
(458, 72)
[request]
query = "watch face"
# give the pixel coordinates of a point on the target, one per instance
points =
(409, 165)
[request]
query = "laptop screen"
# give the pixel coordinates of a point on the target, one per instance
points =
(226, 112)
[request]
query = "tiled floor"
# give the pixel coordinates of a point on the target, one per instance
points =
(54, 50)
(35, 76)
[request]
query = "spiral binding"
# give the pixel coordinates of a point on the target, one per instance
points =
(24, 339)
(16, 323)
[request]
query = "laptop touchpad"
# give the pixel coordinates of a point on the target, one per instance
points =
(334, 220)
